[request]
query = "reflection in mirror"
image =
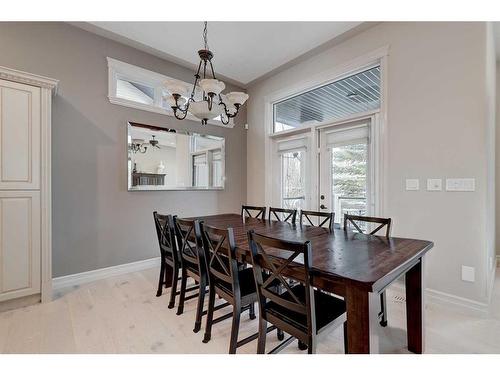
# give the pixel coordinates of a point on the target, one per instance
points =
(166, 159)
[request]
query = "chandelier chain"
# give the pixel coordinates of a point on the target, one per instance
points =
(205, 33)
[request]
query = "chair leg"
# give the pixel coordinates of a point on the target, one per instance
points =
(182, 296)
(383, 308)
(173, 289)
(161, 281)
(199, 307)
(302, 345)
(261, 343)
(252, 311)
(346, 347)
(210, 315)
(311, 345)
(280, 334)
(233, 344)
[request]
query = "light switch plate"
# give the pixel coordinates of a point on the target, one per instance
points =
(434, 184)
(412, 184)
(468, 274)
(460, 184)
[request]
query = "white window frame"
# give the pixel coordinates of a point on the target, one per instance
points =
(128, 72)
(378, 129)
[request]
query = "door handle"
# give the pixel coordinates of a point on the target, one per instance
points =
(323, 207)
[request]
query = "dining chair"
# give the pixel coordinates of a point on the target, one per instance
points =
(282, 214)
(382, 222)
(229, 281)
(258, 212)
(193, 263)
(168, 254)
(327, 217)
(301, 311)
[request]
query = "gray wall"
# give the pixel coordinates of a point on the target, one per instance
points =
(439, 125)
(96, 222)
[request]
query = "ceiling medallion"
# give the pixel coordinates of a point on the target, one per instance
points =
(211, 103)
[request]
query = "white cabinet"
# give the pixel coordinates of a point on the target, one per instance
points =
(19, 244)
(25, 192)
(19, 136)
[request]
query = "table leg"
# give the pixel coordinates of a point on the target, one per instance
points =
(415, 308)
(362, 320)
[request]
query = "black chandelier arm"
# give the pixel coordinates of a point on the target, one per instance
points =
(222, 119)
(185, 112)
(228, 114)
(212, 69)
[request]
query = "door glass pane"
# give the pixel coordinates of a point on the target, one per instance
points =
(349, 178)
(293, 192)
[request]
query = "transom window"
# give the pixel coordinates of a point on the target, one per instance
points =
(343, 98)
(132, 86)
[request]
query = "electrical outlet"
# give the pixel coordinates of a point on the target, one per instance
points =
(412, 184)
(468, 274)
(434, 184)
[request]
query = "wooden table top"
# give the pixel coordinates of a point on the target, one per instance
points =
(370, 261)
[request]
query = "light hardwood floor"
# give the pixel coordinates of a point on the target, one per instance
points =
(122, 315)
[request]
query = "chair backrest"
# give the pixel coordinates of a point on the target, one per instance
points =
(352, 219)
(189, 244)
(270, 270)
(259, 214)
(325, 219)
(220, 254)
(283, 214)
(166, 236)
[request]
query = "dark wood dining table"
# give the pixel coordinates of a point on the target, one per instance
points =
(355, 266)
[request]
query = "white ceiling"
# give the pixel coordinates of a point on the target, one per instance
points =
(244, 51)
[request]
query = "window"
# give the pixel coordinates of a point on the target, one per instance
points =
(135, 87)
(216, 168)
(207, 161)
(337, 100)
(135, 92)
(200, 170)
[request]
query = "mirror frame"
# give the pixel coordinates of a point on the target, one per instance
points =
(184, 132)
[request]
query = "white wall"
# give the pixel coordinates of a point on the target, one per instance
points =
(149, 161)
(437, 127)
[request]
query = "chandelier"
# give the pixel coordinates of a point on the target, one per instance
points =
(139, 145)
(211, 103)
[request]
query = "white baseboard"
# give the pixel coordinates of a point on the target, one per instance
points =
(102, 273)
(437, 296)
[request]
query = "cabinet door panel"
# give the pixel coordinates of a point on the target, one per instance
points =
(19, 136)
(19, 244)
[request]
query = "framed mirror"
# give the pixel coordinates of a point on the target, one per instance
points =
(168, 159)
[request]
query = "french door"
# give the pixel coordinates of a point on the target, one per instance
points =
(335, 175)
(345, 169)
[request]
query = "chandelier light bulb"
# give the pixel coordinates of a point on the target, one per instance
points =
(212, 86)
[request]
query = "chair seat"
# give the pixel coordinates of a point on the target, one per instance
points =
(327, 307)
(246, 280)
